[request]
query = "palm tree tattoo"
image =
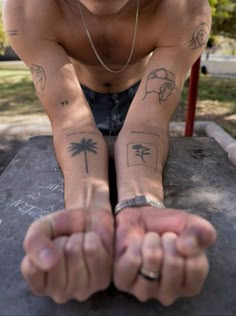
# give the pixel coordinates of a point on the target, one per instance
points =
(39, 77)
(85, 146)
(199, 37)
(161, 82)
(141, 151)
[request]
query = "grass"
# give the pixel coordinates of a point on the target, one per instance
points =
(17, 95)
(216, 101)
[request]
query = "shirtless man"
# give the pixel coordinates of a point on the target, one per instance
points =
(145, 49)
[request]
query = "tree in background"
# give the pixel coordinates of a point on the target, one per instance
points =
(223, 12)
(3, 40)
(224, 17)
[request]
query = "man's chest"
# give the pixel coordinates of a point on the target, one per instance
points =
(112, 39)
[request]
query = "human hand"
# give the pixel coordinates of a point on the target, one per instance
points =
(168, 242)
(69, 254)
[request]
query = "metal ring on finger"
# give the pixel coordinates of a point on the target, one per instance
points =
(149, 275)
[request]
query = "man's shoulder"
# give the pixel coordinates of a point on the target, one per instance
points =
(186, 7)
(30, 14)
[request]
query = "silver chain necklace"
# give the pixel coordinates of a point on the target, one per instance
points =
(93, 46)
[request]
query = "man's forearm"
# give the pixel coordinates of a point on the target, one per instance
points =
(83, 157)
(140, 155)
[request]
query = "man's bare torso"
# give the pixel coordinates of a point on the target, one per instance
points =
(60, 21)
(112, 37)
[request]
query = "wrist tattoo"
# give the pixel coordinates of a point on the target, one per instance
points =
(199, 37)
(161, 82)
(85, 146)
(145, 133)
(76, 133)
(12, 32)
(142, 154)
(39, 78)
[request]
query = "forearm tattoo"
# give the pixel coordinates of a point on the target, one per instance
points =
(85, 146)
(145, 133)
(12, 32)
(161, 82)
(199, 37)
(142, 154)
(39, 78)
(64, 103)
(75, 133)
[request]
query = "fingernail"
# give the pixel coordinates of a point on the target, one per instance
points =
(46, 258)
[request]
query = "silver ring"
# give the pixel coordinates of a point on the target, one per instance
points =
(149, 275)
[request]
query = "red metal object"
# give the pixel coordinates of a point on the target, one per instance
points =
(192, 98)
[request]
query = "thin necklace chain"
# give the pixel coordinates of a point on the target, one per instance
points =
(93, 46)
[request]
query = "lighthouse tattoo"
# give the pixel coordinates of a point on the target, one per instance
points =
(161, 82)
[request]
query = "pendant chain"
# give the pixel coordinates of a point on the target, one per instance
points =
(93, 46)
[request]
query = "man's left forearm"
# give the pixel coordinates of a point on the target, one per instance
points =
(140, 155)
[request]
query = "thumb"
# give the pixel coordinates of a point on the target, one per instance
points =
(38, 243)
(197, 235)
(39, 246)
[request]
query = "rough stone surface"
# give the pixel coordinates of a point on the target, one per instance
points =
(198, 177)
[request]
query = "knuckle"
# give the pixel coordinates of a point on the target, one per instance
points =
(59, 299)
(173, 262)
(167, 300)
(37, 291)
(81, 296)
(153, 257)
(199, 266)
(133, 260)
(90, 249)
(142, 297)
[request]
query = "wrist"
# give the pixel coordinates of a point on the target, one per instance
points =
(139, 159)
(88, 195)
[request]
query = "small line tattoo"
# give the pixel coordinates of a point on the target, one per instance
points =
(145, 133)
(64, 103)
(142, 154)
(199, 37)
(85, 146)
(12, 32)
(76, 133)
(39, 77)
(161, 82)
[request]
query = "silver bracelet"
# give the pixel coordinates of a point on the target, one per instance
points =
(137, 201)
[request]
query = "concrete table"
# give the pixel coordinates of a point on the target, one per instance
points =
(198, 177)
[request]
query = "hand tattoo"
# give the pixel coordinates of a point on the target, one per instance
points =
(39, 77)
(199, 37)
(161, 82)
(85, 146)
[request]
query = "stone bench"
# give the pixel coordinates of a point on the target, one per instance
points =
(198, 177)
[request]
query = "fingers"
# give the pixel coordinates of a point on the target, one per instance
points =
(52, 283)
(38, 244)
(38, 241)
(127, 266)
(196, 270)
(152, 254)
(99, 262)
(198, 235)
(172, 271)
(89, 266)
(34, 277)
(78, 278)
(57, 276)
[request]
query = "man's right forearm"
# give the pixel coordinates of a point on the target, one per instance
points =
(83, 157)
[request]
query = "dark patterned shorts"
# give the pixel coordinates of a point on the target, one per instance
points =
(110, 109)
